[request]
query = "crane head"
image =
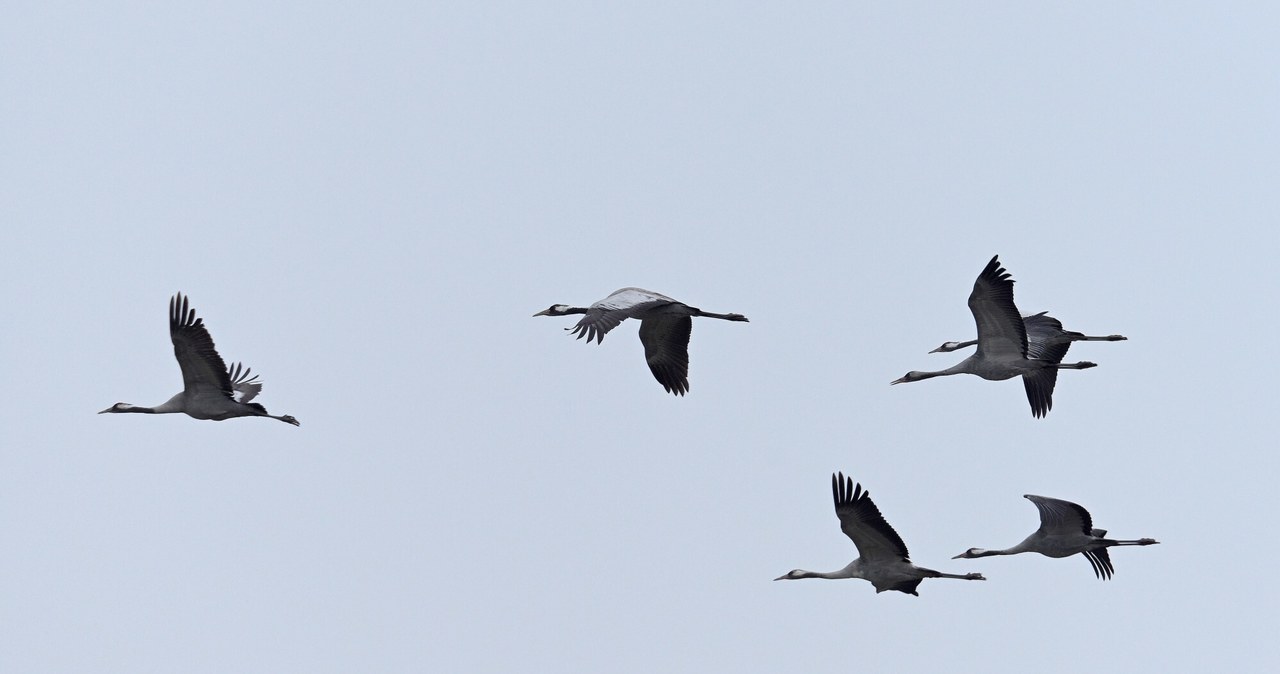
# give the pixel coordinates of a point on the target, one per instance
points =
(909, 377)
(555, 310)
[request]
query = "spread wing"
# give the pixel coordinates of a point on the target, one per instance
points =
(1061, 517)
(862, 522)
(202, 368)
(1001, 334)
(666, 348)
(620, 305)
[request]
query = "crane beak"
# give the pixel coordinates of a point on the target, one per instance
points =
(959, 556)
(782, 577)
(897, 381)
(937, 350)
(544, 312)
(106, 410)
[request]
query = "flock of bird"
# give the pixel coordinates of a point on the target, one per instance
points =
(1008, 345)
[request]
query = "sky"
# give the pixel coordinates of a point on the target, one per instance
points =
(366, 202)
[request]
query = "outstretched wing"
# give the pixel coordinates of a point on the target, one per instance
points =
(666, 348)
(1001, 334)
(862, 522)
(1061, 517)
(620, 305)
(202, 368)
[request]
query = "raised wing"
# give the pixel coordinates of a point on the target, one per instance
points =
(1061, 517)
(202, 367)
(1001, 335)
(245, 386)
(620, 305)
(862, 522)
(666, 348)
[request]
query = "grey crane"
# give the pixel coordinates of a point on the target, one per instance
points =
(1043, 331)
(1003, 351)
(882, 556)
(1065, 529)
(1048, 341)
(665, 325)
(209, 389)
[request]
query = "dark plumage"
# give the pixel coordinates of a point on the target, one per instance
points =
(1003, 350)
(209, 388)
(882, 556)
(1066, 529)
(665, 326)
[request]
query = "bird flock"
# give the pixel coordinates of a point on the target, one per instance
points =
(1008, 345)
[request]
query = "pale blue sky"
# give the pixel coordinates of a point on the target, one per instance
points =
(366, 202)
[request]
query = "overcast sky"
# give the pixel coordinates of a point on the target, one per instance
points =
(366, 203)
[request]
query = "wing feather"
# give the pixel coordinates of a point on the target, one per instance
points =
(1039, 385)
(202, 368)
(1046, 340)
(862, 522)
(666, 348)
(1061, 517)
(248, 387)
(1100, 560)
(1001, 334)
(620, 305)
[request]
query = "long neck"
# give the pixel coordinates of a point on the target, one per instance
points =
(170, 406)
(846, 572)
(956, 346)
(138, 409)
(959, 368)
(1017, 549)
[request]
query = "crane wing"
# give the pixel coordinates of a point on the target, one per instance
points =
(1001, 335)
(202, 368)
(620, 305)
(862, 522)
(1046, 340)
(1100, 560)
(1061, 517)
(666, 348)
(1039, 385)
(247, 387)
